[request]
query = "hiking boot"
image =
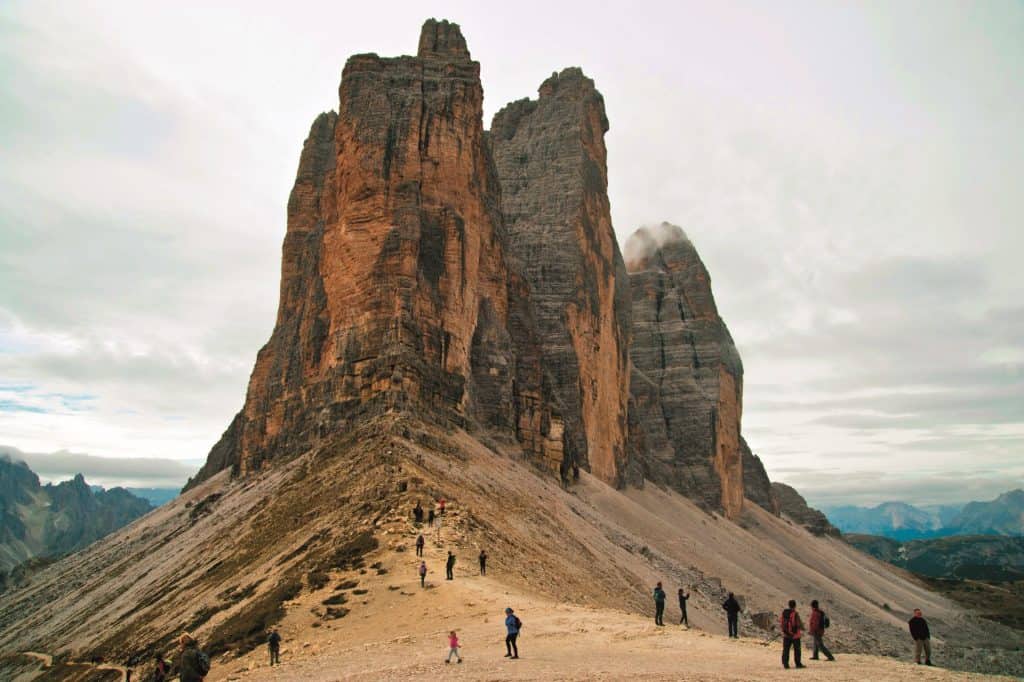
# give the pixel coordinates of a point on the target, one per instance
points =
(517, 656)
(928, 663)
(508, 655)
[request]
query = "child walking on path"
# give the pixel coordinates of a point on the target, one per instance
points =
(453, 648)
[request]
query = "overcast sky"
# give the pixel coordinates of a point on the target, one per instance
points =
(850, 172)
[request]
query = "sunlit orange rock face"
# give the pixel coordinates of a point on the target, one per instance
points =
(395, 290)
(551, 161)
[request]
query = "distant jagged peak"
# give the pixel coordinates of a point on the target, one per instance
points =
(643, 245)
(442, 38)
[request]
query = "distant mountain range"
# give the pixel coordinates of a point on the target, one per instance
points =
(972, 557)
(900, 521)
(51, 520)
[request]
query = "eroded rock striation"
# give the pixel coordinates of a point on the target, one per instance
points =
(552, 166)
(795, 507)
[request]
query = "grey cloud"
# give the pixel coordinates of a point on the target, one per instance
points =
(136, 472)
(830, 488)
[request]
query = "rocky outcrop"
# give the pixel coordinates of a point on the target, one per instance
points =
(551, 163)
(794, 506)
(687, 380)
(756, 486)
(55, 519)
(395, 288)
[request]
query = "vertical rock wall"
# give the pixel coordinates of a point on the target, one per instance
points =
(551, 163)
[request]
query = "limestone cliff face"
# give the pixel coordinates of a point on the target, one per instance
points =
(756, 486)
(395, 291)
(551, 162)
(687, 380)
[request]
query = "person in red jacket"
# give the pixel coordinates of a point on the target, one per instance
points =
(792, 630)
(817, 625)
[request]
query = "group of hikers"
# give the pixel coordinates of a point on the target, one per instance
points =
(792, 627)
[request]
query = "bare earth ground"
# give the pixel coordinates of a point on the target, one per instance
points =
(577, 565)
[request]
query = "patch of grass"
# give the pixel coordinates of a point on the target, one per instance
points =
(360, 591)
(317, 579)
(334, 613)
(334, 600)
(347, 585)
(204, 506)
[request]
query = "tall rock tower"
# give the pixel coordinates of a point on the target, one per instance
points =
(552, 164)
(395, 290)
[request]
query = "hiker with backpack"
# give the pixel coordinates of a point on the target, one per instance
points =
(419, 545)
(659, 605)
(922, 638)
(449, 566)
(193, 664)
(683, 620)
(274, 645)
(732, 612)
(512, 627)
(483, 562)
(423, 573)
(817, 625)
(417, 513)
(792, 630)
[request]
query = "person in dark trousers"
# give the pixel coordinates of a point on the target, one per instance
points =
(483, 562)
(274, 644)
(818, 623)
(922, 638)
(449, 567)
(732, 613)
(683, 620)
(419, 545)
(430, 517)
(659, 605)
(193, 664)
(512, 626)
(417, 512)
(423, 573)
(792, 630)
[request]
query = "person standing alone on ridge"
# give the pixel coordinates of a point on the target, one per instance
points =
(483, 562)
(818, 623)
(732, 612)
(683, 620)
(512, 626)
(659, 604)
(922, 638)
(274, 644)
(792, 630)
(449, 566)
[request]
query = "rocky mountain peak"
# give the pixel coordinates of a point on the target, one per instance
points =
(442, 39)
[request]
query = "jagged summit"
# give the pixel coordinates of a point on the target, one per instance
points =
(442, 39)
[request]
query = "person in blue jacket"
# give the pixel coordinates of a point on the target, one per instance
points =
(512, 625)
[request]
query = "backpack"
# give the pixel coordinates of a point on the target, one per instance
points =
(519, 623)
(825, 622)
(787, 622)
(203, 662)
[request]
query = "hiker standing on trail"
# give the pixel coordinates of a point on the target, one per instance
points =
(423, 573)
(419, 545)
(430, 517)
(453, 648)
(274, 644)
(792, 630)
(732, 612)
(818, 623)
(417, 513)
(659, 604)
(449, 566)
(922, 638)
(483, 562)
(193, 664)
(683, 620)
(512, 627)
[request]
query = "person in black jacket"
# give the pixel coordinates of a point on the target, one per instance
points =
(449, 566)
(659, 605)
(683, 620)
(732, 612)
(274, 645)
(922, 638)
